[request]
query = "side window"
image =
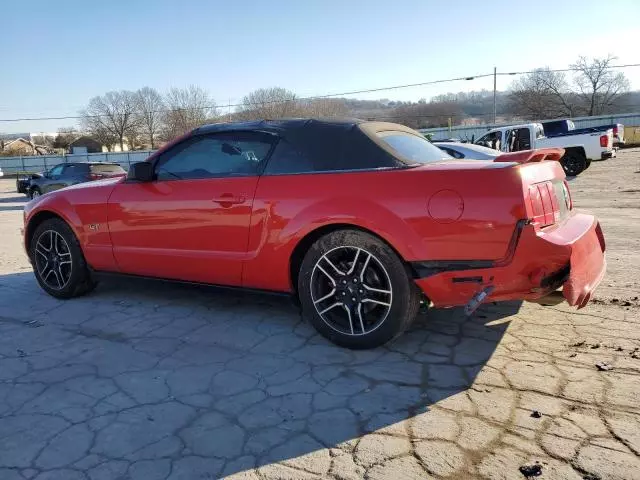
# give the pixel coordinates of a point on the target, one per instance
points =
(522, 139)
(286, 159)
(485, 139)
(75, 170)
(57, 170)
(215, 155)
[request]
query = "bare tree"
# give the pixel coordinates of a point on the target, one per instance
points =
(425, 115)
(65, 136)
(541, 94)
(150, 106)
(43, 140)
(114, 112)
(269, 103)
(187, 108)
(599, 86)
(103, 136)
(323, 108)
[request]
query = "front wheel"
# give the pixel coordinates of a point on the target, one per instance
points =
(34, 193)
(355, 290)
(58, 262)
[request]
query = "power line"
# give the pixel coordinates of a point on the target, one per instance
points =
(571, 69)
(329, 95)
(230, 105)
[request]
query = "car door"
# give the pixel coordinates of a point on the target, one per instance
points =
(192, 221)
(52, 180)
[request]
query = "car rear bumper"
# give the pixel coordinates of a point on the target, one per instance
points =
(568, 256)
(609, 154)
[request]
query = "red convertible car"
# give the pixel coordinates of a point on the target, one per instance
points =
(360, 220)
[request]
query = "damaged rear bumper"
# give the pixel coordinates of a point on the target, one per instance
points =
(538, 262)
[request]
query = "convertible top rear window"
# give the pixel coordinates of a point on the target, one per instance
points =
(412, 149)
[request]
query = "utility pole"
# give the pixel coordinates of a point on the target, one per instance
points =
(494, 94)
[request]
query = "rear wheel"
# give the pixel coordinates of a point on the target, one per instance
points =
(58, 262)
(355, 290)
(573, 163)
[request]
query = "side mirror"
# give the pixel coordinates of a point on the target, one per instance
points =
(141, 172)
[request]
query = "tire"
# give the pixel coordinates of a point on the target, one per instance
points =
(34, 193)
(360, 316)
(68, 279)
(573, 163)
(588, 164)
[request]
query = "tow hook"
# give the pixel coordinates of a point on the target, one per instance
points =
(477, 300)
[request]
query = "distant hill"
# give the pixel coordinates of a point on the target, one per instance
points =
(13, 136)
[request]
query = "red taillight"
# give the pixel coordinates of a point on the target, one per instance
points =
(95, 176)
(604, 141)
(545, 210)
(615, 131)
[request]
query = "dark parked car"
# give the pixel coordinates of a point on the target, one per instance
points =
(67, 174)
(23, 180)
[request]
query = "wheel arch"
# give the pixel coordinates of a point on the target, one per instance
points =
(37, 219)
(301, 248)
(576, 149)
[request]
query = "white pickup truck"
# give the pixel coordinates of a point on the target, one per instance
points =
(580, 149)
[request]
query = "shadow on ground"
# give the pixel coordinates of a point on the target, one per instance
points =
(200, 381)
(17, 199)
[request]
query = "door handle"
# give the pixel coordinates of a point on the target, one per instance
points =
(228, 199)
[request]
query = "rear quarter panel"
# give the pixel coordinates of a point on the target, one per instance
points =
(393, 204)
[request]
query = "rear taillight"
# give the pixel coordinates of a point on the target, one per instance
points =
(95, 176)
(615, 131)
(545, 210)
(604, 141)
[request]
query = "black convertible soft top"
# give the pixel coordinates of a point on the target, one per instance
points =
(332, 144)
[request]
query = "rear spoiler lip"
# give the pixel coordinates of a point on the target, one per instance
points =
(528, 156)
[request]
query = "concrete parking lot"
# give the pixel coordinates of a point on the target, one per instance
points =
(147, 380)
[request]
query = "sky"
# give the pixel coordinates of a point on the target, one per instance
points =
(57, 55)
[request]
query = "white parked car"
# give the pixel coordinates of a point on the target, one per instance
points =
(468, 150)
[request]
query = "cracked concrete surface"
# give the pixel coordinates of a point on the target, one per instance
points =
(146, 380)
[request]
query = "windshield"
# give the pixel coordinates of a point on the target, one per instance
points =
(412, 149)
